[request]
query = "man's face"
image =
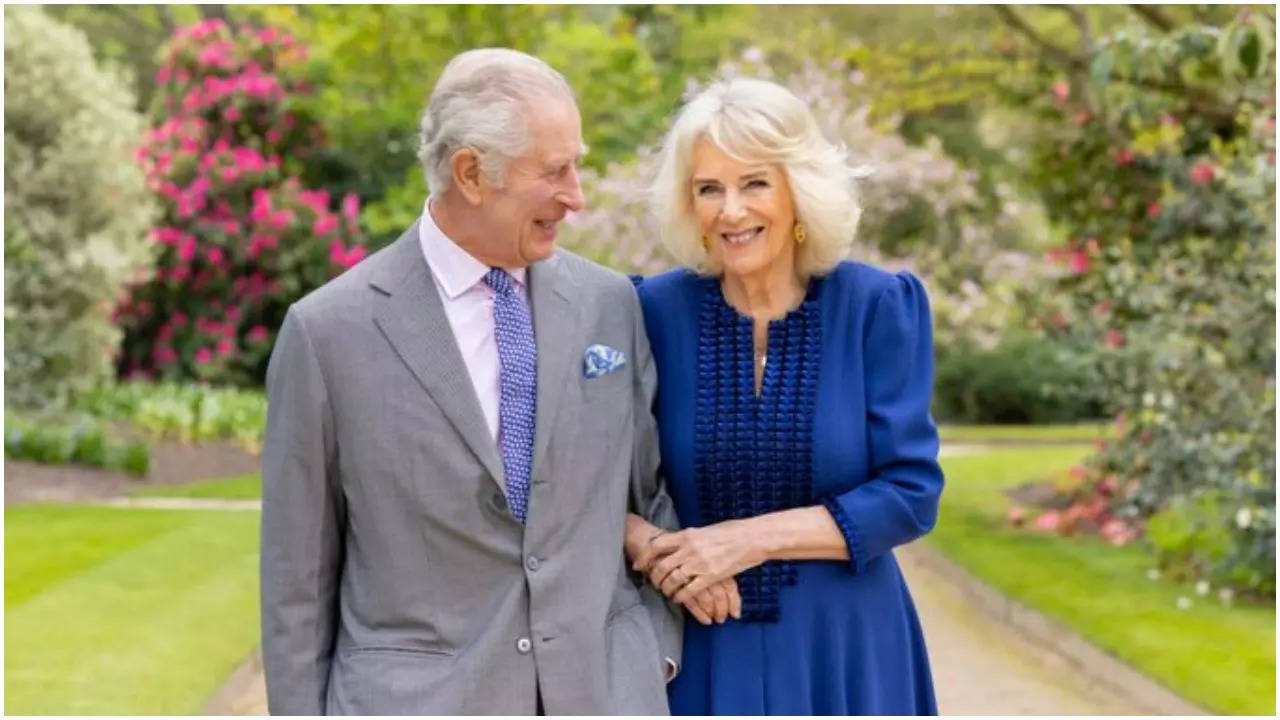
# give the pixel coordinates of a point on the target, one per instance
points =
(541, 187)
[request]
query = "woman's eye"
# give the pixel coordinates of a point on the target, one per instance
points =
(708, 190)
(758, 184)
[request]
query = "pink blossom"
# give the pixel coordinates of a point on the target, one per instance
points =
(1154, 210)
(259, 333)
(281, 219)
(222, 144)
(1102, 308)
(229, 174)
(1016, 516)
(1201, 173)
(267, 35)
(1107, 202)
(1122, 156)
(337, 253)
(216, 256)
(1050, 520)
(204, 356)
(180, 273)
(178, 319)
(1117, 532)
(1062, 91)
(162, 354)
(187, 248)
(1113, 339)
(224, 347)
(324, 224)
(229, 330)
(317, 200)
(1079, 262)
(1081, 117)
(233, 314)
(351, 206)
(1077, 472)
(231, 113)
(289, 121)
(231, 227)
(273, 136)
(162, 75)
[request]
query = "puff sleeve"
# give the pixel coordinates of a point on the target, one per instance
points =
(899, 501)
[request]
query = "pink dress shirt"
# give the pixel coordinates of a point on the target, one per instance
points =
(468, 303)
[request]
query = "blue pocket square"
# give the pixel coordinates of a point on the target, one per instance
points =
(602, 360)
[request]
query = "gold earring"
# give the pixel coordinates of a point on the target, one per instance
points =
(706, 244)
(800, 233)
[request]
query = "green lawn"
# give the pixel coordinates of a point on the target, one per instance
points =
(112, 611)
(1082, 432)
(244, 487)
(1220, 657)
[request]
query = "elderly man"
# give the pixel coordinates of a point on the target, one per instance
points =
(458, 427)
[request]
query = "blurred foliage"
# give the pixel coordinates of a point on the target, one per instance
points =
(1156, 154)
(373, 68)
(1021, 380)
(53, 441)
(191, 412)
(241, 238)
(76, 210)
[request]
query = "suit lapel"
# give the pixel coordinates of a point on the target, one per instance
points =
(413, 320)
(555, 316)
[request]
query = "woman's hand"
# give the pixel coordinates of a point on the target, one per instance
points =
(686, 563)
(716, 603)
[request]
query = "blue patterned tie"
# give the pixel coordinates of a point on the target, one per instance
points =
(518, 359)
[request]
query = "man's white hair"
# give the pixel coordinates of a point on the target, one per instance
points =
(756, 121)
(481, 101)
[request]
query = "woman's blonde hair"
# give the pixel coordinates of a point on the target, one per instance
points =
(758, 121)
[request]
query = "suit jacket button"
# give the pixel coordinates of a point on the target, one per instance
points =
(531, 563)
(499, 501)
(523, 646)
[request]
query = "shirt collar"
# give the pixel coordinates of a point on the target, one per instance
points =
(455, 269)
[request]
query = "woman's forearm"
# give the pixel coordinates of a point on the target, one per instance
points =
(805, 533)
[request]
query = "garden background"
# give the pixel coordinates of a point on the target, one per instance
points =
(1088, 193)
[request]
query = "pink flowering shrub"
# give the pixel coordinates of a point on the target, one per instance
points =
(241, 238)
(1162, 171)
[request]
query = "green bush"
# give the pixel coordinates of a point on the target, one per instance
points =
(76, 210)
(1024, 379)
(56, 440)
(184, 411)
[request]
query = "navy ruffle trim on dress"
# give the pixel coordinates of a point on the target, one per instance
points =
(755, 455)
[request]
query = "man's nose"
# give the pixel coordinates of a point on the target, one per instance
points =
(571, 196)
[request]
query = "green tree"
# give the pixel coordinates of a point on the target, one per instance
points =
(76, 210)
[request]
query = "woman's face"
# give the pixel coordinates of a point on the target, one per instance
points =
(745, 211)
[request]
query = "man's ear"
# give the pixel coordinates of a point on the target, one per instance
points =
(464, 165)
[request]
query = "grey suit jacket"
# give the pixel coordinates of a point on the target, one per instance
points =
(394, 578)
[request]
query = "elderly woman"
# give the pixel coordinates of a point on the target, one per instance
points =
(793, 412)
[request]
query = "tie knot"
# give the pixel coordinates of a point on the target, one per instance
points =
(499, 281)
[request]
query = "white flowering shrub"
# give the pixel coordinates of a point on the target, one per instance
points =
(76, 210)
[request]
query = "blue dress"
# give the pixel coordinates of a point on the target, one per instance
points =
(843, 421)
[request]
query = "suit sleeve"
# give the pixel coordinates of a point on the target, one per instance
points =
(649, 497)
(302, 521)
(899, 502)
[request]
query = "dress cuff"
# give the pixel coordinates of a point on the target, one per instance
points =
(833, 506)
